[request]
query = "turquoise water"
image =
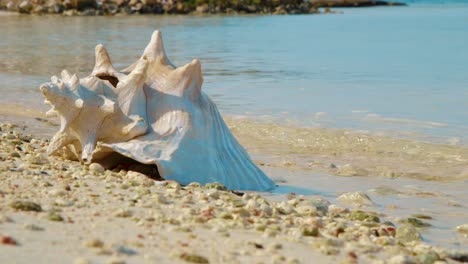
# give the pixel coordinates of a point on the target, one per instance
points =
(401, 70)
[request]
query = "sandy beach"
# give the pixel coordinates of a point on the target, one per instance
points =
(58, 211)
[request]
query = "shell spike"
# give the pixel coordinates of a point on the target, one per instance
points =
(88, 146)
(59, 140)
(55, 79)
(155, 49)
(66, 75)
(74, 82)
(191, 79)
(154, 53)
(103, 62)
(195, 68)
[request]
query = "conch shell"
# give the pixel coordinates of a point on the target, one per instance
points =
(151, 112)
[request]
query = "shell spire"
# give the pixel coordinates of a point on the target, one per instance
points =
(155, 49)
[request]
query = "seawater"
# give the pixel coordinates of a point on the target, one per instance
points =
(373, 100)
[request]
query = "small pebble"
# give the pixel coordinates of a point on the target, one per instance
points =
(39, 159)
(15, 155)
(97, 168)
(416, 222)
(26, 206)
(93, 243)
(463, 228)
(363, 216)
(8, 240)
(57, 192)
(215, 185)
(407, 233)
(33, 227)
(53, 216)
(401, 259)
(428, 257)
(192, 258)
(125, 250)
(356, 198)
(422, 216)
(274, 246)
(81, 261)
(122, 213)
(350, 170)
(5, 219)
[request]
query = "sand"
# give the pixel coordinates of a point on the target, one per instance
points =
(59, 211)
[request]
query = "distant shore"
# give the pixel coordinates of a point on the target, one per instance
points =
(129, 7)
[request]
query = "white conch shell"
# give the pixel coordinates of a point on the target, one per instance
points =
(157, 114)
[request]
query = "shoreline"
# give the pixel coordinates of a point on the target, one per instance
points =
(92, 215)
(339, 152)
(136, 7)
